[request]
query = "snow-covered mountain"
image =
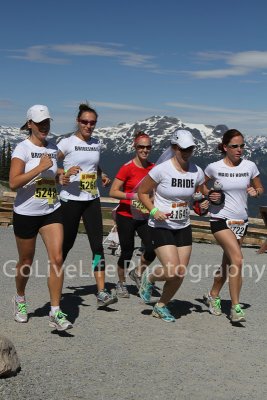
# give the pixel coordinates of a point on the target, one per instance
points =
(117, 144)
(118, 139)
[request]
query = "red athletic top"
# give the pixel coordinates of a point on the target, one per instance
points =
(131, 175)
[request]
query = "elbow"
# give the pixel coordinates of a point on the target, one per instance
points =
(12, 186)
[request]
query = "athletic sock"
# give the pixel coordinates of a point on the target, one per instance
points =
(54, 309)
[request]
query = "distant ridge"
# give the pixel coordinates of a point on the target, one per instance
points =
(117, 144)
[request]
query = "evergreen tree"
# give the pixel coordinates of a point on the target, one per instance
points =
(5, 160)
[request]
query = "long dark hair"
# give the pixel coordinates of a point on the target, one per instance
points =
(227, 137)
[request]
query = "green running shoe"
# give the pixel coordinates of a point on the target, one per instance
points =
(145, 288)
(237, 314)
(162, 313)
(59, 321)
(20, 311)
(214, 304)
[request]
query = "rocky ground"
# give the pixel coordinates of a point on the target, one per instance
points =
(122, 353)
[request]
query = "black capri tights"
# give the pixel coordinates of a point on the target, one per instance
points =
(126, 230)
(90, 212)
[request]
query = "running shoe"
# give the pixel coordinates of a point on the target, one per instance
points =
(20, 311)
(162, 313)
(214, 304)
(237, 314)
(59, 321)
(104, 298)
(134, 277)
(122, 291)
(146, 287)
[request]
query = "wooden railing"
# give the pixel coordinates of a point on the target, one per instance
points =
(256, 235)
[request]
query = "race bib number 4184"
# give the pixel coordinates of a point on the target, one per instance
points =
(179, 211)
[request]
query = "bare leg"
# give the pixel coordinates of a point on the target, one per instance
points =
(100, 280)
(52, 236)
(121, 274)
(263, 248)
(143, 263)
(232, 251)
(174, 261)
(220, 277)
(26, 250)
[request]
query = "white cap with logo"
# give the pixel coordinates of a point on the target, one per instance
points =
(183, 138)
(36, 113)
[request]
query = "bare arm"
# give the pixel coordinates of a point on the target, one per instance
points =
(145, 189)
(256, 189)
(105, 179)
(17, 176)
(117, 193)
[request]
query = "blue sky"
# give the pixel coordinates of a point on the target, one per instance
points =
(203, 62)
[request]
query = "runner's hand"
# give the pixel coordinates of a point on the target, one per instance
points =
(45, 162)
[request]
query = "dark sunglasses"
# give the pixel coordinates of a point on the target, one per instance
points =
(85, 122)
(236, 146)
(191, 148)
(142, 147)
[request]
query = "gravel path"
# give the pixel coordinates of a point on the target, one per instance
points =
(122, 352)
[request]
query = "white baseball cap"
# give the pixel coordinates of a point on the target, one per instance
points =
(183, 139)
(36, 113)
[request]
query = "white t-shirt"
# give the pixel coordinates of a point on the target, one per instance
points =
(235, 181)
(38, 197)
(174, 193)
(85, 154)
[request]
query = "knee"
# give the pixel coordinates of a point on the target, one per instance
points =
(176, 272)
(57, 260)
(25, 261)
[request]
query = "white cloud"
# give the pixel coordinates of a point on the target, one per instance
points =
(49, 54)
(241, 63)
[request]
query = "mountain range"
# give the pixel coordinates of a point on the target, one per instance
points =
(117, 142)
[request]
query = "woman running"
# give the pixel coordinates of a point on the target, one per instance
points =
(131, 215)
(81, 199)
(174, 182)
(238, 178)
(37, 210)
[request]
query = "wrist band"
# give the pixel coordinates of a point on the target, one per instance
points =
(129, 196)
(153, 211)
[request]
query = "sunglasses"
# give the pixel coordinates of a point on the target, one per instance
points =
(142, 147)
(236, 146)
(85, 122)
(191, 148)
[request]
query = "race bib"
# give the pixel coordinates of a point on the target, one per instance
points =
(179, 212)
(238, 226)
(46, 189)
(139, 206)
(88, 182)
